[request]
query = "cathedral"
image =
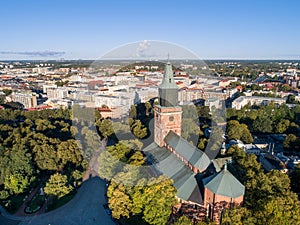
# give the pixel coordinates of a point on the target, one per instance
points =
(201, 182)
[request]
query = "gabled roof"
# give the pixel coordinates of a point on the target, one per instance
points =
(163, 161)
(225, 184)
(192, 154)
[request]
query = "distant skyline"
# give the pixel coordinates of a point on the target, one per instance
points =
(230, 29)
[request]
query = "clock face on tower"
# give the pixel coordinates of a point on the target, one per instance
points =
(171, 118)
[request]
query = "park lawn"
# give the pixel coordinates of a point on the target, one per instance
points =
(16, 203)
(35, 204)
(61, 201)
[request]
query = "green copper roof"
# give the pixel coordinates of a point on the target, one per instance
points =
(191, 153)
(225, 184)
(162, 161)
(168, 78)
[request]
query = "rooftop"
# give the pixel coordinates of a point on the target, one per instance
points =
(163, 161)
(191, 153)
(225, 184)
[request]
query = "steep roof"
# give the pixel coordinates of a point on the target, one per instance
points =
(163, 161)
(225, 184)
(191, 153)
(168, 78)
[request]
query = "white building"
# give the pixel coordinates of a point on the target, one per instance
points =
(28, 99)
(242, 101)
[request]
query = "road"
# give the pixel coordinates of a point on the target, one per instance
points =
(86, 208)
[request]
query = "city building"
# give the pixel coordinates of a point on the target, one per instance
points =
(242, 101)
(28, 99)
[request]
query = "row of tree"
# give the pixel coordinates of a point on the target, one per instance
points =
(268, 196)
(132, 191)
(34, 146)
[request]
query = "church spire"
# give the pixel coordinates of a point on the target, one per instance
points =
(168, 90)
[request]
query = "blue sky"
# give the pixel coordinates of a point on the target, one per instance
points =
(214, 29)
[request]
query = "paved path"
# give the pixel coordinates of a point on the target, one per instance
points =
(86, 208)
(21, 210)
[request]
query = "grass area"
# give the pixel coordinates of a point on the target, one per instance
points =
(14, 203)
(61, 201)
(35, 204)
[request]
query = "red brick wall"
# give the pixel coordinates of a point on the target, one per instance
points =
(219, 203)
(163, 124)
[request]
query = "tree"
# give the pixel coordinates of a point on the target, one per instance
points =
(282, 126)
(202, 143)
(77, 176)
(137, 159)
(57, 186)
(159, 199)
(139, 130)
(238, 216)
(69, 152)
(190, 129)
(109, 166)
(279, 210)
(7, 92)
(183, 220)
(119, 201)
(105, 127)
(148, 107)
(133, 112)
(16, 183)
(291, 99)
(133, 144)
(262, 125)
(295, 179)
(131, 194)
(237, 131)
(46, 157)
(268, 196)
(291, 142)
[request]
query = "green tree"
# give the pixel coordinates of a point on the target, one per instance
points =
(262, 125)
(238, 131)
(139, 130)
(137, 159)
(57, 186)
(202, 143)
(119, 201)
(46, 157)
(133, 112)
(7, 92)
(190, 129)
(238, 216)
(291, 142)
(105, 127)
(159, 199)
(279, 210)
(109, 166)
(69, 152)
(183, 220)
(282, 126)
(16, 183)
(295, 179)
(148, 108)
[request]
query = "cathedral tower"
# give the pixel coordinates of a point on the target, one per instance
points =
(167, 114)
